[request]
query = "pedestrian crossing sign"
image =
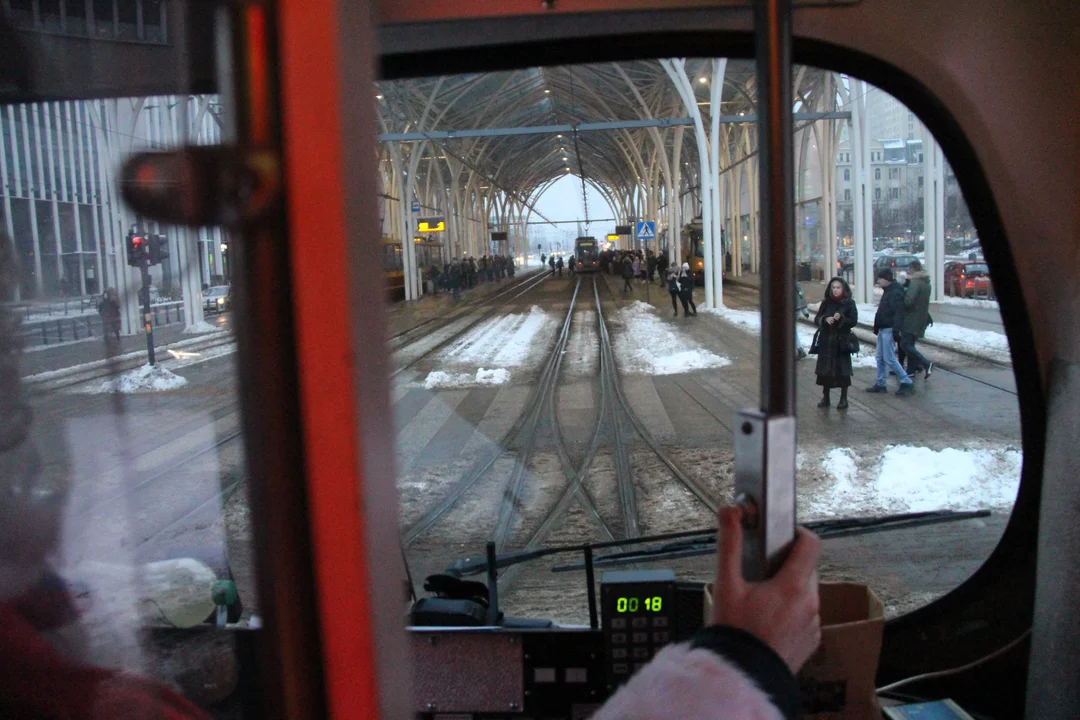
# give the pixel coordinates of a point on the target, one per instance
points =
(646, 230)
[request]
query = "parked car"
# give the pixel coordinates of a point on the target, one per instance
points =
(967, 278)
(217, 299)
(845, 258)
(898, 263)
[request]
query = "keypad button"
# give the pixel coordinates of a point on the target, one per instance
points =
(618, 623)
(659, 622)
(661, 637)
(618, 653)
(641, 653)
(640, 637)
(640, 622)
(619, 638)
(620, 668)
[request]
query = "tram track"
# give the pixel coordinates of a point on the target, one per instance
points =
(460, 311)
(523, 429)
(522, 289)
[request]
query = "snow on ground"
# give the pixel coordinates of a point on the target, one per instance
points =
(439, 380)
(984, 343)
(747, 319)
(916, 479)
(199, 328)
(148, 378)
(184, 358)
(650, 346)
(971, 303)
(505, 341)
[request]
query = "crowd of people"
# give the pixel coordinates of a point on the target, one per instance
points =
(468, 272)
(902, 316)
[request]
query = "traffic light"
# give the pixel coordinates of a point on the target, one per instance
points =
(136, 249)
(159, 249)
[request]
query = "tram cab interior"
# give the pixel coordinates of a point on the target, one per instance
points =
(345, 628)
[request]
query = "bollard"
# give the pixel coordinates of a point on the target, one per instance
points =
(75, 328)
(89, 326)
(59, 332)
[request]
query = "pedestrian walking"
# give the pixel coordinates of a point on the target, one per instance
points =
(662, 267)
(559, 265)
(456, 273)
(433, 278)
(686, 290)
(800, 307)
(573, 263)
(673, 289)
(887, 322)
(833, 342)
(916, 318)
(650, 264)
(551, 264)
(635, 267)
(543, 259)
(627, 274)
(109, 310)
(510, 267)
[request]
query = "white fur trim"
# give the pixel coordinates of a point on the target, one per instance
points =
(685, 683)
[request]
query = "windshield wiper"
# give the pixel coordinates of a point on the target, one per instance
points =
(825, 529)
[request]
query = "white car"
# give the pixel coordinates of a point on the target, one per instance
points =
(217, 299)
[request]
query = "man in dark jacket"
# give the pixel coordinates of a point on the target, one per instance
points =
(916, 318)
(889, 320)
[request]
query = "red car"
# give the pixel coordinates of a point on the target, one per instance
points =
(967, 278)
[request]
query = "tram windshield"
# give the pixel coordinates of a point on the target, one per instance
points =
(533, 406)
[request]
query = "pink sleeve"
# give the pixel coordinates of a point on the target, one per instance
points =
(681, 682)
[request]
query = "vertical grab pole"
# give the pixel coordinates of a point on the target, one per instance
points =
(765, 439)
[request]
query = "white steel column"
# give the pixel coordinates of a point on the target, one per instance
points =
(39, 286)
(714, 262)
(934, 214)
(675, 201)
(90, 185)
(47, 111)
(676, 69)
(861, 202)
(77, 195)
(9, 224)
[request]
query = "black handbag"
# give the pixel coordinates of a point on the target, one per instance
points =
(851, 343)
(814, 343)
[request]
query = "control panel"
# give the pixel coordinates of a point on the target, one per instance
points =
(639, 612)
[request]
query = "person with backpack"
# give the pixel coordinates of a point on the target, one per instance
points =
(916, 318)
(627, 271)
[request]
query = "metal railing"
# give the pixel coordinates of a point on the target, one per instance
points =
(80, 327)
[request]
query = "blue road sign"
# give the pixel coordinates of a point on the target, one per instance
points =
(646, 230)
(416, 206)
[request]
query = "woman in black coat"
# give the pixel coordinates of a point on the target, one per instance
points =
(836, 316)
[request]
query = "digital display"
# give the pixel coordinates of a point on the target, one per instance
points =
(634, 603)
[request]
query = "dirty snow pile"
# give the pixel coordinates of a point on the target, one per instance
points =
(980, 342)
(439, 380)
(200, 327)
(980, 303)
(650, 346)
(505, 341)
(148, 378)
(917, 479)
(747, 319)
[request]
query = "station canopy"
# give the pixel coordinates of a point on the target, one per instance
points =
(419, 114)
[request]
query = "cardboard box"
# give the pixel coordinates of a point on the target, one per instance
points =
(837, 683)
